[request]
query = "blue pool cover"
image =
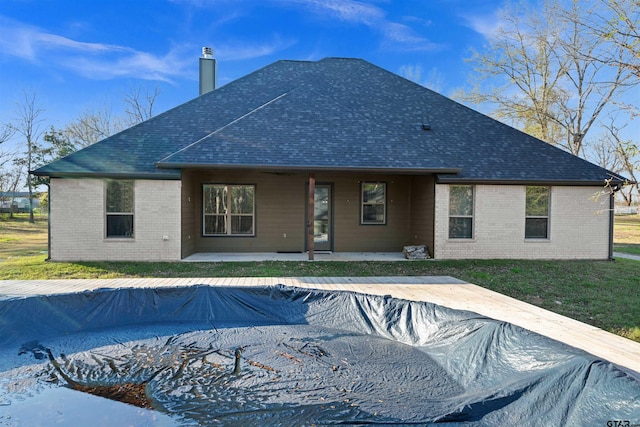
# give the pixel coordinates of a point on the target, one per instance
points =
(284, 356)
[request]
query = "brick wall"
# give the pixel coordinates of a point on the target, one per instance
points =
(78, 222)
(578, 225)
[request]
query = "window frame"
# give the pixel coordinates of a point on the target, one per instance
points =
(547, 217)
(108, 213)
(229, 215)
(384, 203)
(458, 216)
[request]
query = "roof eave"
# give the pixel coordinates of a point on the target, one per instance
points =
(540, 182)
(306, 168)
(176, 175)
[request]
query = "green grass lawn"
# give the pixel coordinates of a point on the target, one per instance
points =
(601, 293)
(18, 237)
(627, 234)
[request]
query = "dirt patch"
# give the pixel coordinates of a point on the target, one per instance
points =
(536, 300)
(133, 394)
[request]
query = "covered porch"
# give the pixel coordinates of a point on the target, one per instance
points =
(259, 215)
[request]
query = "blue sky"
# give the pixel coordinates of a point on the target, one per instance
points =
(78, 55)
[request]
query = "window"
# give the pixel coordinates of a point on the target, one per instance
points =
(374, 203)
(119, 211)
(537, 213)
(461, 212)
(228, 210)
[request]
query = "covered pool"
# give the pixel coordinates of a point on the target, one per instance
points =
(277, 355)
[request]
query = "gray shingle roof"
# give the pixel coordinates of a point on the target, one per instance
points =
(343, 114)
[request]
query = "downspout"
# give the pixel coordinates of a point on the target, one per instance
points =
(311, 215)
(48, 223)
(612, 196)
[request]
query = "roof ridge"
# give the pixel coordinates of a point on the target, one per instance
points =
(225, 126)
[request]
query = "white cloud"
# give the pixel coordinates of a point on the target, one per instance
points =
(29, 42)
(134, 64)
(345, 10)
(394, 34)
(239, 50)
(434, 79)
(487, 25)
(100, 61)
(398, 33)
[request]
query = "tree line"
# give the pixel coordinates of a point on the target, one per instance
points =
(563, 70)
(39, 145)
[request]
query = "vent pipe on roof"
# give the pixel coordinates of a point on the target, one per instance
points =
(208, 71)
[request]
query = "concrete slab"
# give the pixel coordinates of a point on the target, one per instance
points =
(627, 256)
(296, 256)
(442, 290)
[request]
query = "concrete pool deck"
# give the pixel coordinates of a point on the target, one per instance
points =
(442, 290)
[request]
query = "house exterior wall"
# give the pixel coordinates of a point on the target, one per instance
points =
(281, 201)
(578, 225)
(279, 211)
(189, 216)
(417, 213)
(77, 215)
(422, 211)
(350, 235)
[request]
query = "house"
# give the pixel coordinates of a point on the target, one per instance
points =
(18, 199)
(371, 160)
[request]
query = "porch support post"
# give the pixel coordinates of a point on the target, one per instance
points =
(311, 214)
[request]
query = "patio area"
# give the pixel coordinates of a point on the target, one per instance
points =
(294, 256)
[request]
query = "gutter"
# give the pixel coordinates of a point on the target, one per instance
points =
(612, 196)
(542, 182)
(163, 176)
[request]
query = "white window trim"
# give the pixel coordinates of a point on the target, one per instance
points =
(472, 216)
(228, 215)
(547, 217)
(107, 213)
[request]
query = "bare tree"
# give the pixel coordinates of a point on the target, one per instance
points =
(4, 193)
(618, 21)
(95, 125)
(139, 106)
(6, 132)
(625, 160)
(552, 85)
(6, 156)
(522, 64)
(12, 181)
(28, 124)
